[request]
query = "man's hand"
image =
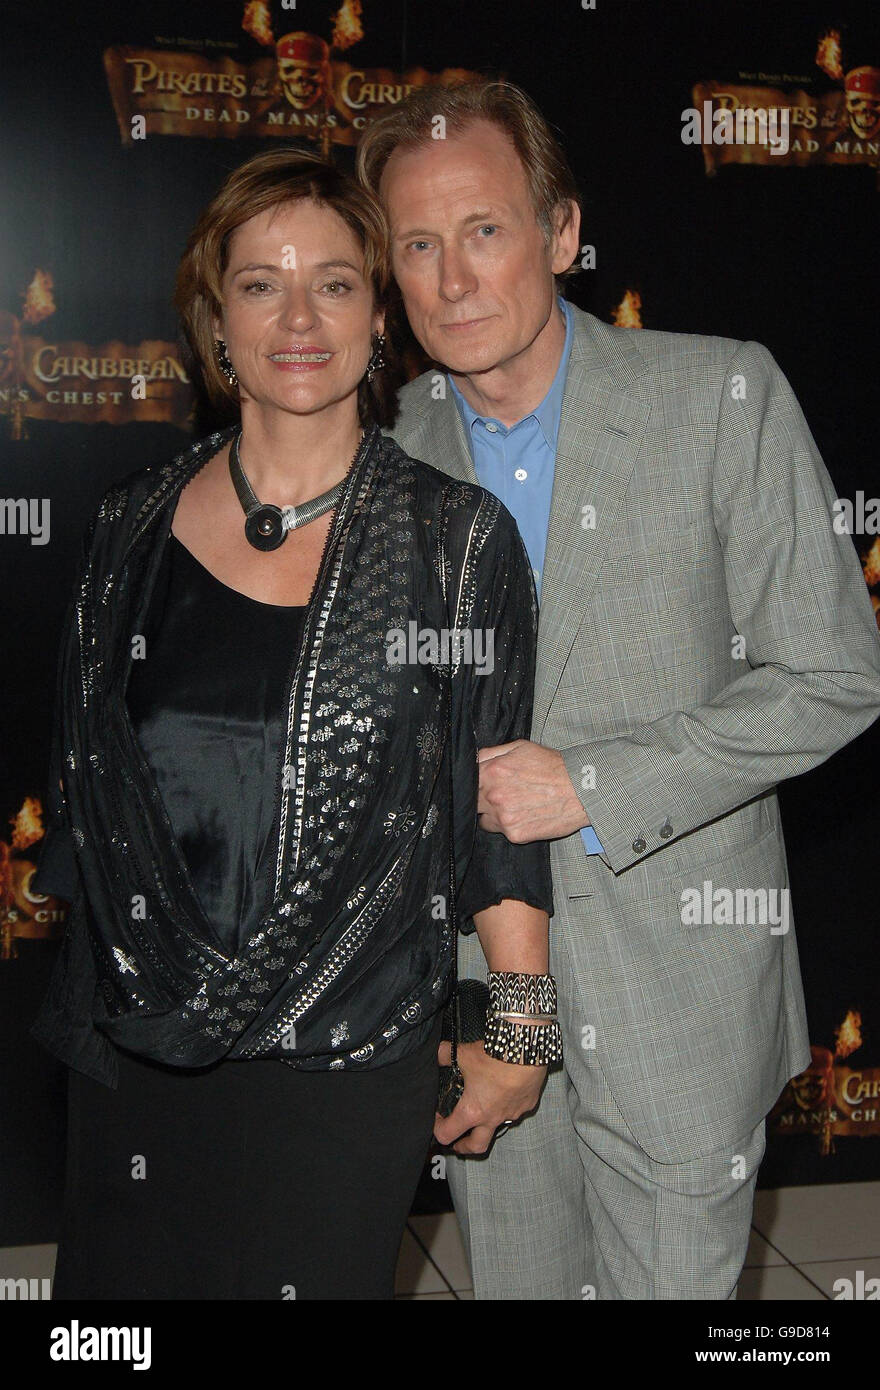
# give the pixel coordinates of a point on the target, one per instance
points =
(493, 1092)
(526, 793)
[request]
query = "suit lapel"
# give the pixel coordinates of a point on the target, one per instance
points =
(439, 438)
(600, 434)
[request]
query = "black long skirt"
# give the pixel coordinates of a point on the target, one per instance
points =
(245, 1180)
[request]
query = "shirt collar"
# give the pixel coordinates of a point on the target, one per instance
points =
(549, 412)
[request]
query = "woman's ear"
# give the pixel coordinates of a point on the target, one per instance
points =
(379, 321)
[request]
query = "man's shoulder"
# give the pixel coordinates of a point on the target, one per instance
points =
(625, 353)
(651, 349)
(414, 401)
(656, 361)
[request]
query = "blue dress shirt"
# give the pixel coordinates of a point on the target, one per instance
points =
(517, 464)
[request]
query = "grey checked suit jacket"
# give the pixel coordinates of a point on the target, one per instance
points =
(713, 517)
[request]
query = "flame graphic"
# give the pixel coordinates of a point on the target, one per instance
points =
(27, 826)
(848, 1036)
(627, 315)
(347, 27)
(38, 301)
(828, 55)
(871, 564)
(257, 22)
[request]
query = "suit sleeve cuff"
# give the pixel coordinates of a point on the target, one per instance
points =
(626, 831)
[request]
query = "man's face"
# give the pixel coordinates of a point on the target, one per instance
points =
(471, 260)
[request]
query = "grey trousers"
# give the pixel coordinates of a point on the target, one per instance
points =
(567, 1205)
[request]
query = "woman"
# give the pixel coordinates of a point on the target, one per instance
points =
(256, 788)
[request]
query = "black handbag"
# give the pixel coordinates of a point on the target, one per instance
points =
(464, 1018)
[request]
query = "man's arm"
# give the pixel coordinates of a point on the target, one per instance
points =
(798, 597)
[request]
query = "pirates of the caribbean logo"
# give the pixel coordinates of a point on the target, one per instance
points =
(830, 1099)
(47, 379)
(299, 86)
(24, 913)
(837, 126)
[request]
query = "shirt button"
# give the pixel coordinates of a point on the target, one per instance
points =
(639, 846)
(493, 429)
(520, 475)
(665, 830)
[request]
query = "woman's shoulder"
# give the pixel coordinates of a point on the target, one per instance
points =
(479, 533)
(126, 498)
(460, 500)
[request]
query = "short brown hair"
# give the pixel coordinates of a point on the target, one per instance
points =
(268, 181)
(551, 183)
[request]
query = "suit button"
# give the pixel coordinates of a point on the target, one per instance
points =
(665, 830)
(639, 846)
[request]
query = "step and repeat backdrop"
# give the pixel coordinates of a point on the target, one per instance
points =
(119, 123)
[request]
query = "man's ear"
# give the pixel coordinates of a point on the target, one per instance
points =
(566, 240)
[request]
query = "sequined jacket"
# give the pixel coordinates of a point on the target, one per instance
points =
(386, 709)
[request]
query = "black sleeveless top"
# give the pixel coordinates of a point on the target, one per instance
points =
(207, 704)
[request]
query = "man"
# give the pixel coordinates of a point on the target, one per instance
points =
(704, 633)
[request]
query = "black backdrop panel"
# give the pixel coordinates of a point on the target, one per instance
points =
(784, 255)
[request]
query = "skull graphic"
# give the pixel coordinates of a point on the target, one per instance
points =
(304, 68)
(862, 87)
(815, 1086)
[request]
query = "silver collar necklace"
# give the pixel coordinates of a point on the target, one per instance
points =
(266, 526)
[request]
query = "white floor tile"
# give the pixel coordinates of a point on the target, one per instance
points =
(829, 1221)
(760, 1254)
(826, 1272)
(442, 1237)
(27, 1261)
(418, 1297)
(415, 1273)
(774, 1283)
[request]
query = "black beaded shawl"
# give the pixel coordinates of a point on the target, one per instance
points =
(351, 961)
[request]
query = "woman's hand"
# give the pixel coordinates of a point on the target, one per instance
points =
(494, 1091)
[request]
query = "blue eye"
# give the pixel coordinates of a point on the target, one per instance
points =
(489, 226)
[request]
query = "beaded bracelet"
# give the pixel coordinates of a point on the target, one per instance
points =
(521, 1022)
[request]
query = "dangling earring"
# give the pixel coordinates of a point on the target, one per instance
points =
(224, 363)
(377, 361)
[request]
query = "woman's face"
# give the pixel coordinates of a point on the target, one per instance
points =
(297, 309)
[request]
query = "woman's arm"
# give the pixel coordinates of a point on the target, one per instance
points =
(514, 936)
(506, 891)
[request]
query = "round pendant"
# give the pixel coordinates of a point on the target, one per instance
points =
(265, 528)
